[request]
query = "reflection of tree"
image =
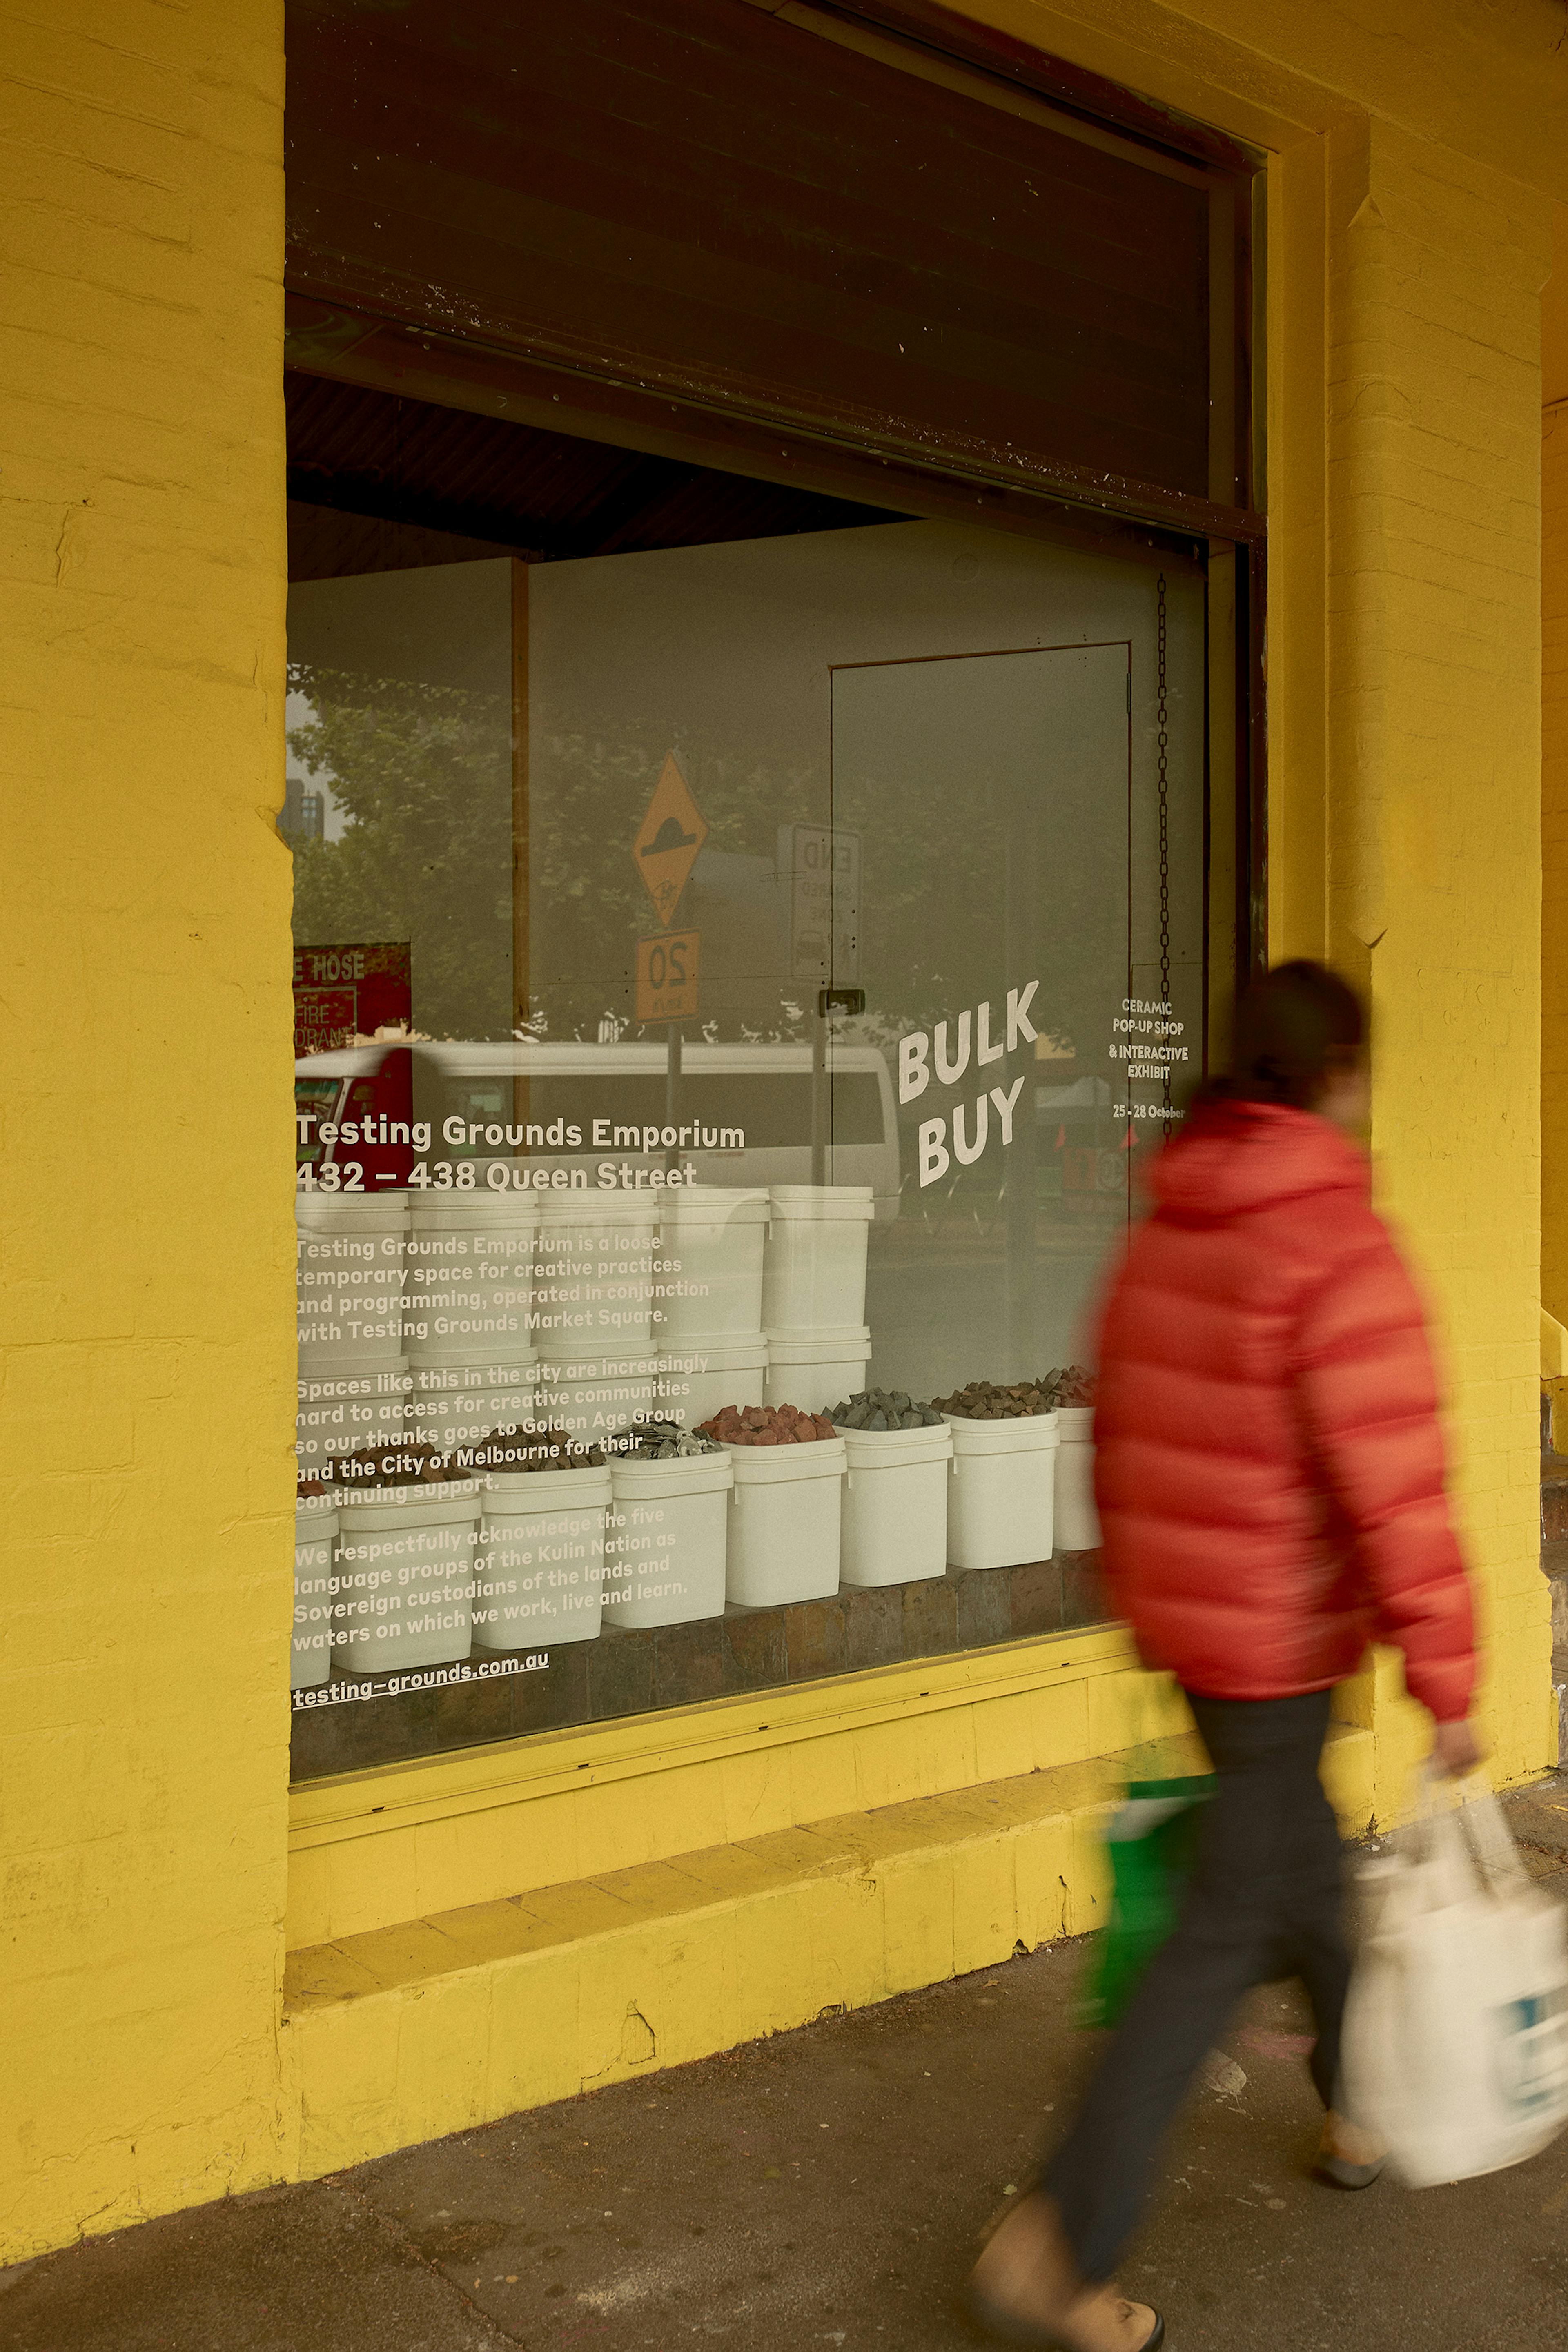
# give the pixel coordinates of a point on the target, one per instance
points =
(959, 899)
(425, 773)
(588, 792)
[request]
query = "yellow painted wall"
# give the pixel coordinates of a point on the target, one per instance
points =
(145, 1410)
(398, 2033)
(1554, 778)
(1412, 165)
(147, 1285)
(1433, 749)
(411, 1838)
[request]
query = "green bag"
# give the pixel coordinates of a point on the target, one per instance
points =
(1150, 1843)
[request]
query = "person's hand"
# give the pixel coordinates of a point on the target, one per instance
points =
(1457, 1748)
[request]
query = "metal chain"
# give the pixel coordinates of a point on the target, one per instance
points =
(1164, 745)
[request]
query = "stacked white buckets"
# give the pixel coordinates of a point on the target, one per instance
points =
(593, 1310)
(354, 1384)
(406, 1572)
(793, 1262)
(672, 1531)
(468, 1311)
(441, 1318)
(315, 1543)
(411, 1569)
(814, 1293)
(352, 1252)
(708, 1297)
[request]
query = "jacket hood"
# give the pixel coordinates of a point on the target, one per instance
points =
(1234, 1156)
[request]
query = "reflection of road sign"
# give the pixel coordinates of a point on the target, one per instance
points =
(822, 862)
(667, 976)
(670, 837)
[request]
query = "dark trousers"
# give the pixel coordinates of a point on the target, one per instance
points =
(1264, 1901)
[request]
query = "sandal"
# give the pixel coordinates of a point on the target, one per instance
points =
(1002, 2298)
(1348, 2156)
(994, 2320)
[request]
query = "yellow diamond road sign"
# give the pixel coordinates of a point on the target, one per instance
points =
(670, 837)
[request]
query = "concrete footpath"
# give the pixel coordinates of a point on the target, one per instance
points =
(827, 2188)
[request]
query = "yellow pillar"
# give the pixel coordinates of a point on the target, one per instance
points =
(1554, 783)
(145, 1412)
(1435, 269)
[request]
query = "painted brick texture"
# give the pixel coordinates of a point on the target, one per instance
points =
(1554, 784)
(145, 1410)
(1433, 434)
(146, 1283)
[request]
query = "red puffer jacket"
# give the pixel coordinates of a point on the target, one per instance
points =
(1270, 1469)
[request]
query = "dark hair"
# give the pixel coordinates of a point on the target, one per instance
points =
(1294, 1029)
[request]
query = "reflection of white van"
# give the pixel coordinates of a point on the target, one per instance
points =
(762, 1094)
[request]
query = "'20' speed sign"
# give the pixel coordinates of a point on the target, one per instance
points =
(667, 976)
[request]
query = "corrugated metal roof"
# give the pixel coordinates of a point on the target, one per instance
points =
(484, 485)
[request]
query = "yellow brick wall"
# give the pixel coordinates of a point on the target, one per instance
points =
(144, 1185)
(1433, 745)
(145, 1409)
(1554, 778)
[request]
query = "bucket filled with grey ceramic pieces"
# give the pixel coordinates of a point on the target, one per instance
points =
(664, 1562)
(1002, 1487)
(895, 1490)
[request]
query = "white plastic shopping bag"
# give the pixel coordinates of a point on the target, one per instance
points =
(1456, 2041)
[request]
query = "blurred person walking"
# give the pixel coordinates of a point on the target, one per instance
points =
(1271, 1479)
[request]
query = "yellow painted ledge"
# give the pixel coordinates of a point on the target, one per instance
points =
(444, 1833)
(409, 2031)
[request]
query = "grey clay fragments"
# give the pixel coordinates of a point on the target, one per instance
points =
(876, 1409)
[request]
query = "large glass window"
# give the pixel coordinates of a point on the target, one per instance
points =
(737, 976)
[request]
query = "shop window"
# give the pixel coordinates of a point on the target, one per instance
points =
(744, 972)
(776, 814)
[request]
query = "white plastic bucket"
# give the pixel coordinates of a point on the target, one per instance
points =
(541, 1564)
(710, 1280)
(895, 1505)
(710, 1370)
(816, 1369)
(315, 1540)
(664, 1562)
(470, 1276)
(349, 1407)
(785, 1522)
(458, 1402)
(1077, 1518)
(593, 1279)
(351, 1264)
(1001, 1491)
(406, 1562)
(814, 1270)
(593, 1398)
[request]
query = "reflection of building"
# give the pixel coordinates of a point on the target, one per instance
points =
(304, 811)
(1408, 234)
